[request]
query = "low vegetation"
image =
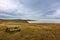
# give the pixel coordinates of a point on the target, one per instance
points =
(40, 31)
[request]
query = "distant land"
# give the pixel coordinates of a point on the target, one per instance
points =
(35, 21)
(45, 21)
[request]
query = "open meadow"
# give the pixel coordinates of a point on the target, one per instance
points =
(30, 31)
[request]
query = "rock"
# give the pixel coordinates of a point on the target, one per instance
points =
(13, 28)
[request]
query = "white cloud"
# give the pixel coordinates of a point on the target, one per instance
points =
(22, 12)
(4, 14)
(56, 8)
(7, 5)
(28, 13)
(19, 9)
(56, 14)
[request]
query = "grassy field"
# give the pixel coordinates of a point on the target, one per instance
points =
(40, 31)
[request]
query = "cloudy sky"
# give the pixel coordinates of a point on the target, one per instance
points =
(30, 9)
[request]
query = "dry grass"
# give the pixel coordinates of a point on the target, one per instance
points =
(30, 31)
